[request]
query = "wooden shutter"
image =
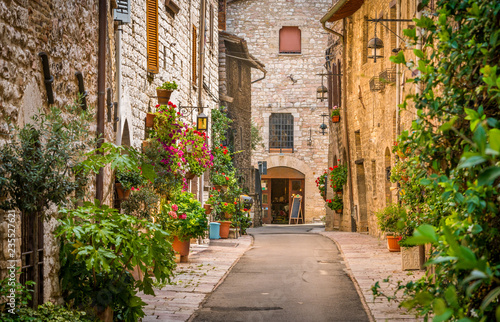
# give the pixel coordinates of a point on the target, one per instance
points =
(222, 14)
(193, 63)
(152, 35)
(290, 40)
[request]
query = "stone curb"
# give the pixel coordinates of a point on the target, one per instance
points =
(207, 268)
(368, 261)
(351, 276)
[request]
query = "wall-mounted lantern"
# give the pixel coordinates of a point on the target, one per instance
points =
(323, 126)
(201, 122)
(374, 44)
(322, 93)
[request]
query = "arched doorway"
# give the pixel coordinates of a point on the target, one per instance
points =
(278, 185)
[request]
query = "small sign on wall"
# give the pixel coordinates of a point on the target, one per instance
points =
(122, 12)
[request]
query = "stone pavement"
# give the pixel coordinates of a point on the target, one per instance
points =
(207, 267)
(368, 261)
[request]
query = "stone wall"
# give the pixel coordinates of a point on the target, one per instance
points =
(290, 84)
(371, 115)
(175, 62)
(67, 31)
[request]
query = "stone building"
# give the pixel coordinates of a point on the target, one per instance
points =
(65, 36)
(368, 91)
(235, 68)
(287, 38)
(172, 29)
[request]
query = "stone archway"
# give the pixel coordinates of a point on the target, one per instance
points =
(314, 205)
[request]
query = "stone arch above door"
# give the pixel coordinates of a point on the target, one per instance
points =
(283, 172)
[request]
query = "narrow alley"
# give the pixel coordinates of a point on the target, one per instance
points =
(290, 274)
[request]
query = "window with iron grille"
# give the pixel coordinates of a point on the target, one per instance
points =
(281, 133)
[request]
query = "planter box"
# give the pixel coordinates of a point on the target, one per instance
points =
(412, 258)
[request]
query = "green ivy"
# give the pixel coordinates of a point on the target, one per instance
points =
(451, 161)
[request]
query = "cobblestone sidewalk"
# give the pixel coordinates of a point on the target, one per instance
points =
(369, 261)
(207, 267)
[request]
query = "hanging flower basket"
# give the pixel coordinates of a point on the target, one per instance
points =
(336, 119)
(339, 211)
(163, 96)
(228, 215)
(208, 209)
(190, 175)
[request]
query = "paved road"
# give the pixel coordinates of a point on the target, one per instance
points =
(289, 275)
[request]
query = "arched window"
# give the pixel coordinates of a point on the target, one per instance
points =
(290, 40)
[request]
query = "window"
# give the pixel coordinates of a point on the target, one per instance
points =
(152, 35)
(193, 62)
(290, 40)
(281, 133)
(364, 51)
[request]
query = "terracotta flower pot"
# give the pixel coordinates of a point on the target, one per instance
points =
(163, 96)
(393, 243)
(150, 119)
(335, 118)
(181, 247)
(190, 175)
(208, 208)
(122, 193)
(228, 215)
(224, 229)
(339, 211)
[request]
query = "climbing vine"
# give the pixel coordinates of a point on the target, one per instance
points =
(452, 161)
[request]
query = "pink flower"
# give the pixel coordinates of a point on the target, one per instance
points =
(175, 207)
(172, 214)
(183, 216)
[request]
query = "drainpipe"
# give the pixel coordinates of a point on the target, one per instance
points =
(101, 89)
(418, 89)
(118, 58)
(398, 69)
(333, 31)
(200, 80)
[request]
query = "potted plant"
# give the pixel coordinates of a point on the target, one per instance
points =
(338, 177)
(99, 248)
(184, 218)
(335, 204)
(387, 220)
(228, 209)
(164, 91)
(321, 184)
(335, 114)
(125, 181)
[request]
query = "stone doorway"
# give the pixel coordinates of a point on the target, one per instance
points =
(278, 186)
(362, 224)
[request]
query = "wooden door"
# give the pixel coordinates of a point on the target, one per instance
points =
(266, 201)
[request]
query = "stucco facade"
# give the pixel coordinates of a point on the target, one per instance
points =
(290, 84)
